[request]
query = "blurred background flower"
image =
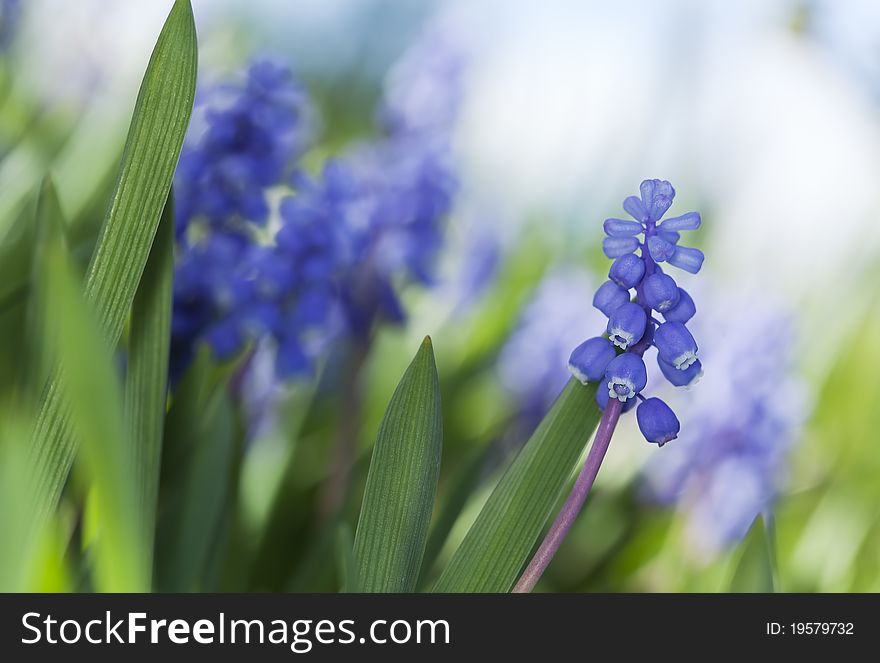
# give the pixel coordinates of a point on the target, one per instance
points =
(398, 169)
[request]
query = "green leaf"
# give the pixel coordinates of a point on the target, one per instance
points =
(461, 489)
(756, 568)
(197, 466)
(155, 138)
(91, 388)
(147, 377)
(402, 482)
(495, 548)
(348, 572)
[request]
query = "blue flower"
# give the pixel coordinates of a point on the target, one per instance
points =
(627, 271)
(631, 324)
(589, 360)
(625, 376)
(609, 297)
(244, 138)
(657, 421)
(330, 259)
(626, 326)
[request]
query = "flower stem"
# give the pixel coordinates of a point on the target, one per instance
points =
(575, 501)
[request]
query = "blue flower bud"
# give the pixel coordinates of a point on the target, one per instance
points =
(635, 208)
(675, 344)
(627, 270)
(622, 228)
(660, 292)
(626, 325)
(690, 260)
(683, 311)
(657, 197)
(657, 421)
(660, 249)
(618, 246)
(625, 376)
(689, 221)
(609, 297)
(669, 236)
(589, 360)
(681, 378)
(602, 398)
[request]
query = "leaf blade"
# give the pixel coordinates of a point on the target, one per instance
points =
(147, 376)
(499, 542)
(152, 149)
(402, 482)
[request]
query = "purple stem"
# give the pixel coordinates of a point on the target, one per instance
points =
(575, 501)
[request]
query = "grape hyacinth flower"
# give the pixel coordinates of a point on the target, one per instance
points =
(328, 260)
(632, 330)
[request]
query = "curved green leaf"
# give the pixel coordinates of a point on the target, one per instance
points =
(494, 550)
(160, 119)
(402, 482)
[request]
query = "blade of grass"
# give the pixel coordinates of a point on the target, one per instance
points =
(90, 381)
(495, 548)
(402, 482)
(756, 568)
(146, 385)
(160, 119)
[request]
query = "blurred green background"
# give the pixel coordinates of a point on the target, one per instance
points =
(764, 115)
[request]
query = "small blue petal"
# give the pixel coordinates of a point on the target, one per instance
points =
(609, 297)
(669, 236)
(621, 228)
(589, 360)
(689, 221)
(675, 344)
(683, 311)
(660, 249)
(602, 398)
(660, 292)
(625, 376)
(627, 270)
(618, 246)
(626, 325)
(634, 207)
(657, 421)
(684, 378)
(688, 259)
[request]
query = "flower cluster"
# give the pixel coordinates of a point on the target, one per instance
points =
(728, 467)
(617, 361)
(329, 259)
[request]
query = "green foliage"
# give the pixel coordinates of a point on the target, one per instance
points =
(756, 569)
(492, 554)
(120, 563)
(155, 138)
(402, 482)
(147, 376)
